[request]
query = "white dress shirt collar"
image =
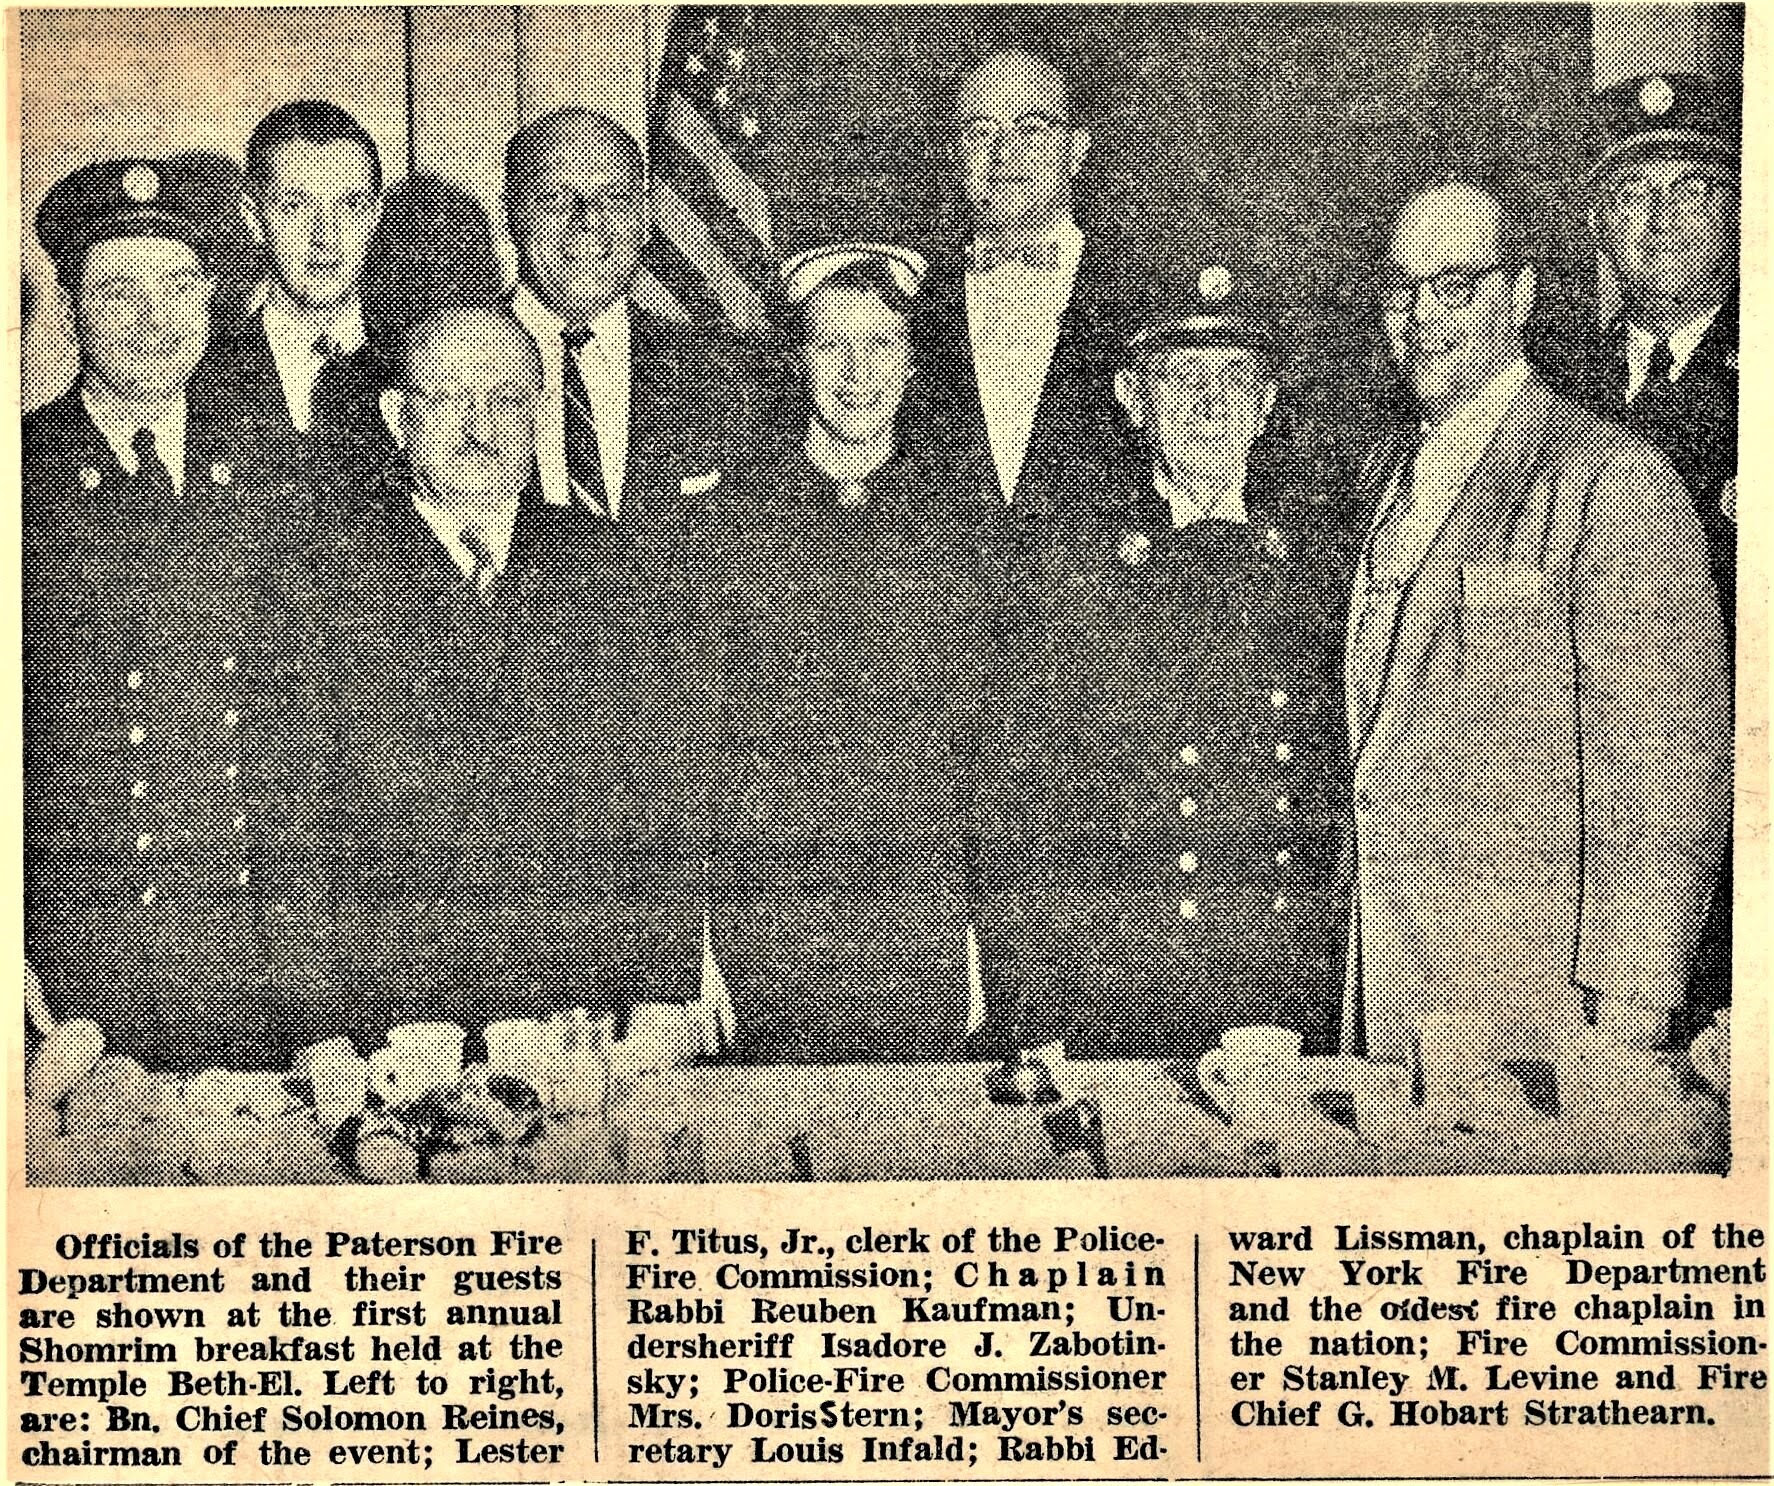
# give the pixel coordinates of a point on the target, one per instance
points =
(493, 526)
(293, 344)
(1682, 345)
(119, 423)
(1185, 504)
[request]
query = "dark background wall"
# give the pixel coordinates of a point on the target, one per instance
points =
(1283, 136)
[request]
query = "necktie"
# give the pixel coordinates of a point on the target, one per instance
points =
(585, 465)
(481, 578)
(152, 475)
(985, 255)
(327, 349)
(1661, 364)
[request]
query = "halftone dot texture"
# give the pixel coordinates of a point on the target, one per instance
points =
(1298, 165)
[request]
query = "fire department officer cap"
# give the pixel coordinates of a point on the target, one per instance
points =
(120, 198)
(1680, 115)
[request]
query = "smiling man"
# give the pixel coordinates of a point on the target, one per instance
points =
(632, 405)
(165, 892)
(1017, 323)
(301, 373)
(1535, 679)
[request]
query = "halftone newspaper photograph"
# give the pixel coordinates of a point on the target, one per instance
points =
(848, 743)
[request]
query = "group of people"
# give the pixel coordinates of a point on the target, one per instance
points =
(970, 686)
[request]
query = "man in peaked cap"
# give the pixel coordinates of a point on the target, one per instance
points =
(165, 890)
(1190, 675)
(1666, 215)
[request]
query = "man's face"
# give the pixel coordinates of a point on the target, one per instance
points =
(466, 415)
(141, 315)
(316, 213)
(1201, 408)
(1018, 152)
(579, 221)
(1669, 227)
(858, 361)
(1454, 315)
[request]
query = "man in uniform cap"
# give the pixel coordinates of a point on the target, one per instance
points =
(168, 894)
(1190, 674)
(1666, 214)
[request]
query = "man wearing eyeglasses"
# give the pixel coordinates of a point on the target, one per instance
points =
(1535, 680)
(499, 713)
(1017, 324)
(632, 404)
(1666, 215)
(1191, 678)
(164, 897)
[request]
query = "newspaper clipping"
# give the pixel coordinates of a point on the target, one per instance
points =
(888, 743)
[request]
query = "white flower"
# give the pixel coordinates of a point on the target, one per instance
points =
(220, 474)
(89, 478)
(1135, 547)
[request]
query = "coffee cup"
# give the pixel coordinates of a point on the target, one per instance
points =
(1254, 1072)
(338, 1076)
(420, 1057)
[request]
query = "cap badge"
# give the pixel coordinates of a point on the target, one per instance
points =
(1656, 97)
(141, 183)
(1215, 284)
(1135, 547)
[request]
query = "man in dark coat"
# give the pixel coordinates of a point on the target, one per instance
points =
(1017, 328)
(845, 631)
(171, 891)
(1189, 671)
(632, 405)
(299, 372)
(1667, 217)
(503, 710)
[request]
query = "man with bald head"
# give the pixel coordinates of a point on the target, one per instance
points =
(632, 405)
(1535, 677)
(494, 702)
(1017, 324)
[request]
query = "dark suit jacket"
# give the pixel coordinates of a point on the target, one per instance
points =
(845, 651)
(1180, 709)
(515, 840)
(1544, 796)
(1075, 419)
(1693, 420)
(173, 883)
(346, 438)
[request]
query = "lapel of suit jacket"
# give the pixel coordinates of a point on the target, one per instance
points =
(1371, 486)
(1432, 597)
